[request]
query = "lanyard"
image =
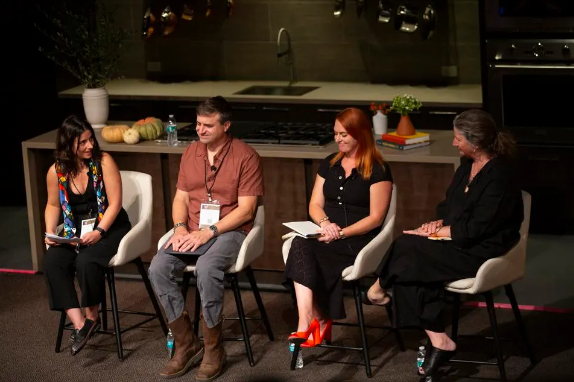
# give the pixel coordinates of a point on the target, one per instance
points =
(208, 189)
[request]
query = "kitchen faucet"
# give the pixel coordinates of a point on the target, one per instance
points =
(287, 52)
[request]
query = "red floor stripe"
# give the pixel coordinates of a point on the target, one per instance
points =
(27, 272)
(522, 307)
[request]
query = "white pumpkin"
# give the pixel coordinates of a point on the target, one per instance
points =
(131, 136)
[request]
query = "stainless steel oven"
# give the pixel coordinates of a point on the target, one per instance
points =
(530, 87)
(528, 16)
(530, 91)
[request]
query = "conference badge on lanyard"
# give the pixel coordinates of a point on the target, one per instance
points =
(209, 213)
(87, 226)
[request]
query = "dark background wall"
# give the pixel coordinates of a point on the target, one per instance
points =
(326, 48)
(30, 96)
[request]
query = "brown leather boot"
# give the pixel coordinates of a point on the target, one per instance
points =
(188, 349)
(214, 358)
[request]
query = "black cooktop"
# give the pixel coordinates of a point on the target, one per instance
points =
(280, 133)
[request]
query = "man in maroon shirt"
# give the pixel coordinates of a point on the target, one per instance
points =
(219, 182)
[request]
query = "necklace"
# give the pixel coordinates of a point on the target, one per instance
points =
(474, 171)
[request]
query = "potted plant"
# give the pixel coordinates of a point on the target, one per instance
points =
(82, 38)
(404, 104)
(380, 121)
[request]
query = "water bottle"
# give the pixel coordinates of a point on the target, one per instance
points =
(421, 357)
(169, 344)
(171, 129)
(299, 363)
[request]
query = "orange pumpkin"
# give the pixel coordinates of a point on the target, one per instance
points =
(114, 133)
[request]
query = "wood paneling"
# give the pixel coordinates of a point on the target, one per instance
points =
(284, 201)
(420, 187)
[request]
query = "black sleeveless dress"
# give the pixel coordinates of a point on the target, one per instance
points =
(318, 265)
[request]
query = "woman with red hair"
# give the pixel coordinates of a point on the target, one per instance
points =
(350, 199)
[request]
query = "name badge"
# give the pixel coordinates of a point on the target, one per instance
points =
(209, 213)
(87, 226)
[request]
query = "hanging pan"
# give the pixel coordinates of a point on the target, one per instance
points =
(428, 24)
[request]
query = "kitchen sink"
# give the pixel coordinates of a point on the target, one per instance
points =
(278, 90)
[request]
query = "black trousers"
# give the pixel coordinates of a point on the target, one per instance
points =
(416, 269)
(62, 262)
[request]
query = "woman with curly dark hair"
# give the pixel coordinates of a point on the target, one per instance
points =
(85, 189)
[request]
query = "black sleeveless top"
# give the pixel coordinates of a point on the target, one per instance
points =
(85, 206)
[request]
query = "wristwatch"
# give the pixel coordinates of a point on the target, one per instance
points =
(341, 234)
(101, 231)
(214, 229)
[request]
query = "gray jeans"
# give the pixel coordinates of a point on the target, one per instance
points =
(209, 271)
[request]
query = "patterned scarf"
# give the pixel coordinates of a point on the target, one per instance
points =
(96, 174)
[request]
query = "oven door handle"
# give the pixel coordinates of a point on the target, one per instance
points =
(514, 66)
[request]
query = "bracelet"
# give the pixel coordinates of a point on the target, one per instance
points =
(180, 224)
(323, 220)
(342, 235)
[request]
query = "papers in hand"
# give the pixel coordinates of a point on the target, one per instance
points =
(63, 240)
(305, 229)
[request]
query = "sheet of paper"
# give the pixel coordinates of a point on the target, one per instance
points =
(305, 229)
(63, 240)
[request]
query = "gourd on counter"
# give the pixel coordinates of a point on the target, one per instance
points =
(131, 136)
(149, 128)
(114, 133)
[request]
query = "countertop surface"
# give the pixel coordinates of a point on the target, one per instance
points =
(439, 151)
(347, 93)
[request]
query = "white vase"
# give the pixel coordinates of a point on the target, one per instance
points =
(380, 123)
(96, 106)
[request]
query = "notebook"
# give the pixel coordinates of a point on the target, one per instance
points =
(198, 252)
(305, 229)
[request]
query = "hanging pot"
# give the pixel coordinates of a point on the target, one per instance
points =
(188, 11)
(339, 8)
(96, 106)
(429, 22)
(230, 7)
(405, 126)
(406, 19)
(208, 7)
(148, 24)
(168, 21)
(384, 10)
(361, 7)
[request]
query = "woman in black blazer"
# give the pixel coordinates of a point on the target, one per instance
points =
(480, 219)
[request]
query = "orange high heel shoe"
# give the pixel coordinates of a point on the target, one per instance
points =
(318, 338)
(301, 338)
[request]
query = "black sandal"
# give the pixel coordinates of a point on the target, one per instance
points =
(433, 360)
(365, 299)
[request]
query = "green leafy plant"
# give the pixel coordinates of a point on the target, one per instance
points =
(404, 104)
(82, 39)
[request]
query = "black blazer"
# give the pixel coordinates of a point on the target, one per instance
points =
(485, 221)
